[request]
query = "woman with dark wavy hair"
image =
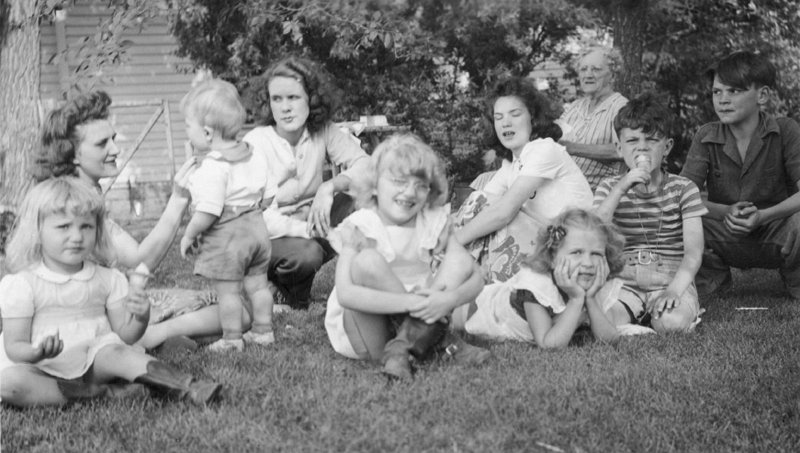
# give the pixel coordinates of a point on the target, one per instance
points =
(298, 104)
(499, 223)
(79, 140)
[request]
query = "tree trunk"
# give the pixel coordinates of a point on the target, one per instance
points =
(629, 21)
(19, 97)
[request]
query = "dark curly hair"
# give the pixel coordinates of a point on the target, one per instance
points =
(543, 113)
(648, 113)
(323, 97)
(550, 238)
(60, 137)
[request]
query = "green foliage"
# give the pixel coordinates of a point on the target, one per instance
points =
(407, 59)
(683, 38)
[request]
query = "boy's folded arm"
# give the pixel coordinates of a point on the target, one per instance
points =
(605, 207)
(785, 208)
(692, 255)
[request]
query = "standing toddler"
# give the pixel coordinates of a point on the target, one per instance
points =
(233, 247)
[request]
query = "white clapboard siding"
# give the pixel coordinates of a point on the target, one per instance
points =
(152, 72)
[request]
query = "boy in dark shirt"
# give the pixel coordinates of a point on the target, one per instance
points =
(749, 164)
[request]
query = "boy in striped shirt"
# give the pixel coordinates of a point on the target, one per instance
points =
(660, 216)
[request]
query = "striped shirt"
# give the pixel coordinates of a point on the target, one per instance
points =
(593, 128)
(654, 221)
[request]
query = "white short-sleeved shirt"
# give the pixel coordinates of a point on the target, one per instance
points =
(297, 170)
(239, 179)
(544, 158)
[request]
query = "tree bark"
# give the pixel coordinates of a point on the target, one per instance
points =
(629, 21)
(20, 73)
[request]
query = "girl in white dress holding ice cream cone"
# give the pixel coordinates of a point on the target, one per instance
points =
(68, 322)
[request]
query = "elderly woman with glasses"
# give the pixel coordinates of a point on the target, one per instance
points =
(587, 123)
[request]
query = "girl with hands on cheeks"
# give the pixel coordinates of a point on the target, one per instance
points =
(68, 322)
(562, 286)
(400, 271)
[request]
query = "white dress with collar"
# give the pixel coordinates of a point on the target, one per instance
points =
(72, 305)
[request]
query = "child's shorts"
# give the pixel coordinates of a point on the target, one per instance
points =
(645, 276)
(235, 248)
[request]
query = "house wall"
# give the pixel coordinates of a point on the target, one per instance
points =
(152, 73)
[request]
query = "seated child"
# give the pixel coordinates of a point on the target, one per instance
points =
(559, 286)
(69, 323)
(748, 162)
(400, 271)
(227, 190)
(660, 216)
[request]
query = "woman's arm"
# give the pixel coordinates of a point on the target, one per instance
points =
(604, 151)
(319, 215)
(500, 212)
(155, 245)
(343, 150)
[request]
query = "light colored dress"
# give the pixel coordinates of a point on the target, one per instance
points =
(501, 252)
(74, 306)
(409, 252)
(496, 318)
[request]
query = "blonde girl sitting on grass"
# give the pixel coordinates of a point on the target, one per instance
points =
(561, 286)
(68, 323)
(400, 271)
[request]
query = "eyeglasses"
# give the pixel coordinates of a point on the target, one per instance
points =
(401, 184)
(592, 69)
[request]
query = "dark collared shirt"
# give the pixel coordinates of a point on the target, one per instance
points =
(770, 170)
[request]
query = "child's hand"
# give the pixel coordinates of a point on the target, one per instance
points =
(568, 283)
(600, 276)
(137, 303)
(438, 304)
(635, 176)
(742, 218)
(50, 346)
(665, 301)
(187, 246)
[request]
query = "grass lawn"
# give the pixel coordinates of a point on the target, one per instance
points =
(733, 385)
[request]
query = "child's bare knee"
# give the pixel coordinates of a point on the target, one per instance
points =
(367, 263)
(16, 389)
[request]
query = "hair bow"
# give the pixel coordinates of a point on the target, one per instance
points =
(554, 235)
